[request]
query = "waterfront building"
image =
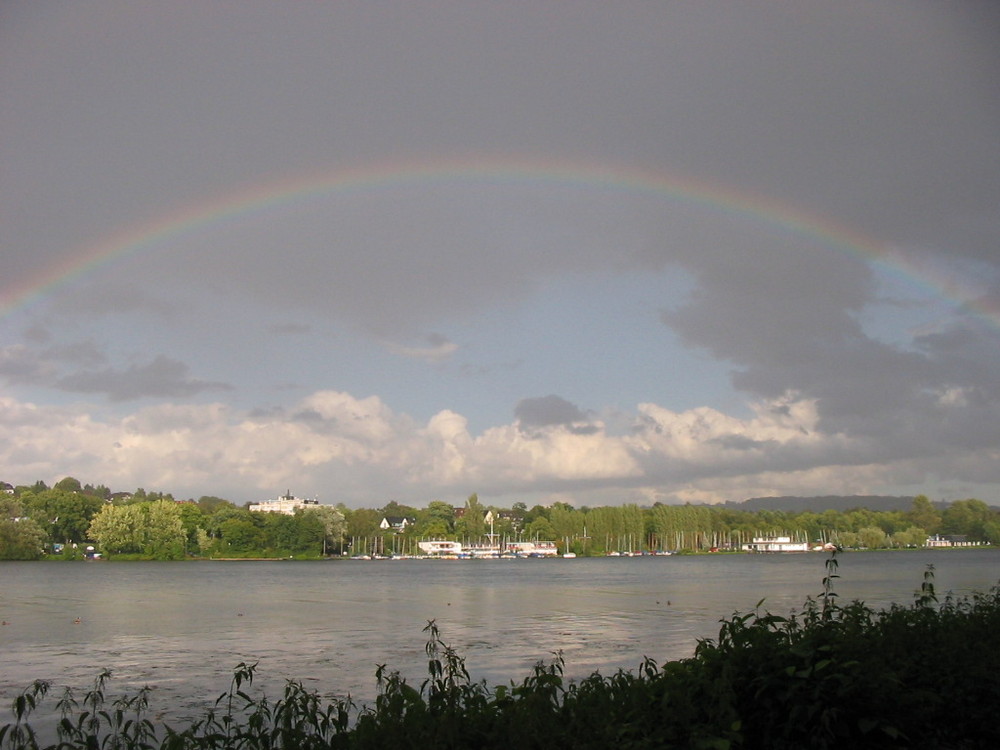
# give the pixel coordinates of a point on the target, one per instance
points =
(286, 504)
(775, 544)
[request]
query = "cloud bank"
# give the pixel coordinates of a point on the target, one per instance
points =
(613, 253)
(359, 451)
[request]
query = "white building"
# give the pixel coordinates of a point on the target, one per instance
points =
(533, 549)
(440, 547)
(286, 504)
(396, 523)
(775, 544)
(950, 540)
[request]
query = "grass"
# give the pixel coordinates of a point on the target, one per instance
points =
(925, 675)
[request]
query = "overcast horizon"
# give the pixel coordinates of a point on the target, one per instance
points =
(593, 253)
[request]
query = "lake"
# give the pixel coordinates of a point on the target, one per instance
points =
(182, 627)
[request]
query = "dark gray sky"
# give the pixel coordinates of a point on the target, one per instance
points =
(592, 252)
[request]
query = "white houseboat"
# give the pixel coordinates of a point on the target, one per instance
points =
(532, 549)
(775, 544)
(440, 548)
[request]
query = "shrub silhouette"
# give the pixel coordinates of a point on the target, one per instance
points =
(829, 675)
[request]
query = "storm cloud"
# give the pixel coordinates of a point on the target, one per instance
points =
(349, 244)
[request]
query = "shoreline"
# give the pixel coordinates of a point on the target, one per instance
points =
(684, 553)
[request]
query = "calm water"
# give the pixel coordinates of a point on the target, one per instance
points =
(182, 627)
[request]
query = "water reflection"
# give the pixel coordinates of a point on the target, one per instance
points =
(181, 628)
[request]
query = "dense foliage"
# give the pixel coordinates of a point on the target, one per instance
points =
(65, 519)
(153, 525)
(925, 676)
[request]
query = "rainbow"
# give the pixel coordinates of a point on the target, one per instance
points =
(272, 195)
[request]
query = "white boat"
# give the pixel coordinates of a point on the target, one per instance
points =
(440, 547)
(450, 549)
(775, 544)
(533, 549)
(482, 551)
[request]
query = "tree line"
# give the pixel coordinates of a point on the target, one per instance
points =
(39, 520)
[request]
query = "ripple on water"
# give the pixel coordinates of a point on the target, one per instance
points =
(179, 629)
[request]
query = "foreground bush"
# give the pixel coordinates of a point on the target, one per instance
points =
(923, 676)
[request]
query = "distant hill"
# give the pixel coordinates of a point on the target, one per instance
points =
(827, 502)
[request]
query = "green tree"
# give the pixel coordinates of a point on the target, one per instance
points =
(439, 516)
(99, 491)
(119, 529)
(68, 484)
(392, 508)
(913, 536)
(992, 531)
(205, 541)
(601, 529)
(504, 528)
(153, 529)
(10, 507)
(810, 523)
(65, 515)
(334, 526)
(163, 531)
(567, 521)
(633, 524)
(241, 535)
(540, 529)
(209, 504)
(535, 512)
(298, 533)
(214, 522)
(893, 521)
(472, 524)
(310, 536)
(834, 520)
(20, 539)
(362, 522)
(435, 530)
(279, 532)
(872, 537)
(193, 520)
(923, 514)
(847, 539)
(968, 517)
